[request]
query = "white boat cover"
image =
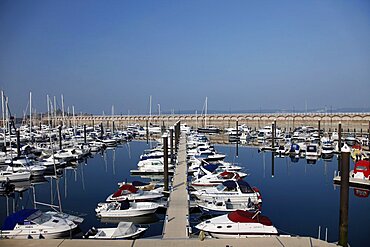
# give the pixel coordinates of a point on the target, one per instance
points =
(124, 228)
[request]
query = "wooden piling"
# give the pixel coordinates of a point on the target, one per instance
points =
(101, 130)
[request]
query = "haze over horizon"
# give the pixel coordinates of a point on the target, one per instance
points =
(242, 55)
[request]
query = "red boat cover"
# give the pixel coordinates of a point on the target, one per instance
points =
(125, 189)
(227, 175)
(246, 217)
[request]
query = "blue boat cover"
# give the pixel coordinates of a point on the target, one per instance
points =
(17, 217)
(211, 167)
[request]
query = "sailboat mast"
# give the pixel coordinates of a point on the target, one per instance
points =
(150, 106)
(2, 108)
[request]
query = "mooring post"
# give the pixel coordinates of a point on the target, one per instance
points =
(60, 137)
(18, 143)
(339, 145)
(344, 197)
(147, 131)
(163, 128)
(171, 143)
(113, 127)
(165, 159)
(85, 141)
(319, 129)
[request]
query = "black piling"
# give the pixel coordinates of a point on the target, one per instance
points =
(18, 143)
(113, 127)
(344, 198)
(339, 145)
(319, 128)
(171, 144)
(165, 161)
(101, 130)
(85, 141)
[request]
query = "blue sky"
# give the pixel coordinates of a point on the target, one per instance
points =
(243, 55)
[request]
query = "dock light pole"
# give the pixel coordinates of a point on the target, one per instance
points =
(344, 197)
(165, 159)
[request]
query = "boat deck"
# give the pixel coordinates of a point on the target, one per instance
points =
(176, 224)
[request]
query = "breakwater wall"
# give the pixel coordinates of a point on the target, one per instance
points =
(351, 122)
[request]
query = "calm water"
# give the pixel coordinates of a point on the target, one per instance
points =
(298, 199)
(301, 197)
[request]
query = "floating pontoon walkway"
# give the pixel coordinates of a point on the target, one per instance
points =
(176, 224)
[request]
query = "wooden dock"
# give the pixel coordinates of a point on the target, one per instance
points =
(176, 225)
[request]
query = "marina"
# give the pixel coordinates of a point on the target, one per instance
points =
(180, 217)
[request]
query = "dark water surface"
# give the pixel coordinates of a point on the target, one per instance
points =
(299, 198)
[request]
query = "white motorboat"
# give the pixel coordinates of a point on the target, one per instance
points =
(238, 224)
(124, 230)
(219, 207)
(235, 191)
(125, 209)
(130, 192)
(32, 223)
(13, 176)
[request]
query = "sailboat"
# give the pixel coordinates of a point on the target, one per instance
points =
(207, 129)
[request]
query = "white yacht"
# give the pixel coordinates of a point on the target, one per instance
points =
(125, 209)
(238, 224)
(130, 192)
(235, 191)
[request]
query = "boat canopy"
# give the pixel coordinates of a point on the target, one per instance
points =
(17, 218)
(240, 216)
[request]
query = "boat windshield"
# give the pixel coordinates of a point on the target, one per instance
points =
(220, 187)
(361, 168)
